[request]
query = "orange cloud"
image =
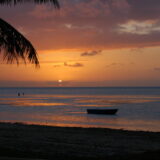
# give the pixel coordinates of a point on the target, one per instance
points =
(73, 65)
(91, 53)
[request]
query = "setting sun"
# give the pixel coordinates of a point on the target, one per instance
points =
(60, 81)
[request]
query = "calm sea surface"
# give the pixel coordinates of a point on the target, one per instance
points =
(139, 108)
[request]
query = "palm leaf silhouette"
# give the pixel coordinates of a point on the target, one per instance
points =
(13, 45)
(14, 2)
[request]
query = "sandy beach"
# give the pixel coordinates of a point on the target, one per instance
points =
(45, 142)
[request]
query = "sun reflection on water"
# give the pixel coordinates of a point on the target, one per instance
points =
(70, 110)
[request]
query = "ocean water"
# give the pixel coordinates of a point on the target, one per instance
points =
(138, 107)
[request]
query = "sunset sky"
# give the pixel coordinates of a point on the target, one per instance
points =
(87, 43)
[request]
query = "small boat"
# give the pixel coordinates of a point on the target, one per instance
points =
(102, 111)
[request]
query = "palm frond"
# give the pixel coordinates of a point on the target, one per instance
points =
(14, 2)
(15, 46)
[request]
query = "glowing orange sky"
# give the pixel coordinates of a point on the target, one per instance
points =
(88, 43)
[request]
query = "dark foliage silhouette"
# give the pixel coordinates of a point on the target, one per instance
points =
(13, 45)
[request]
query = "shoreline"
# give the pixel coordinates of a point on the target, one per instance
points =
(73, 126)
(48, 142)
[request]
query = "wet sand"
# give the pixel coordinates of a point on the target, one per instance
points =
(44, 142)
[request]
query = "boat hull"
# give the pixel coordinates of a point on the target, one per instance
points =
(102, 111)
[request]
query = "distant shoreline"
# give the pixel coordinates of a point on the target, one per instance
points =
(80, 87)
(47, 142)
